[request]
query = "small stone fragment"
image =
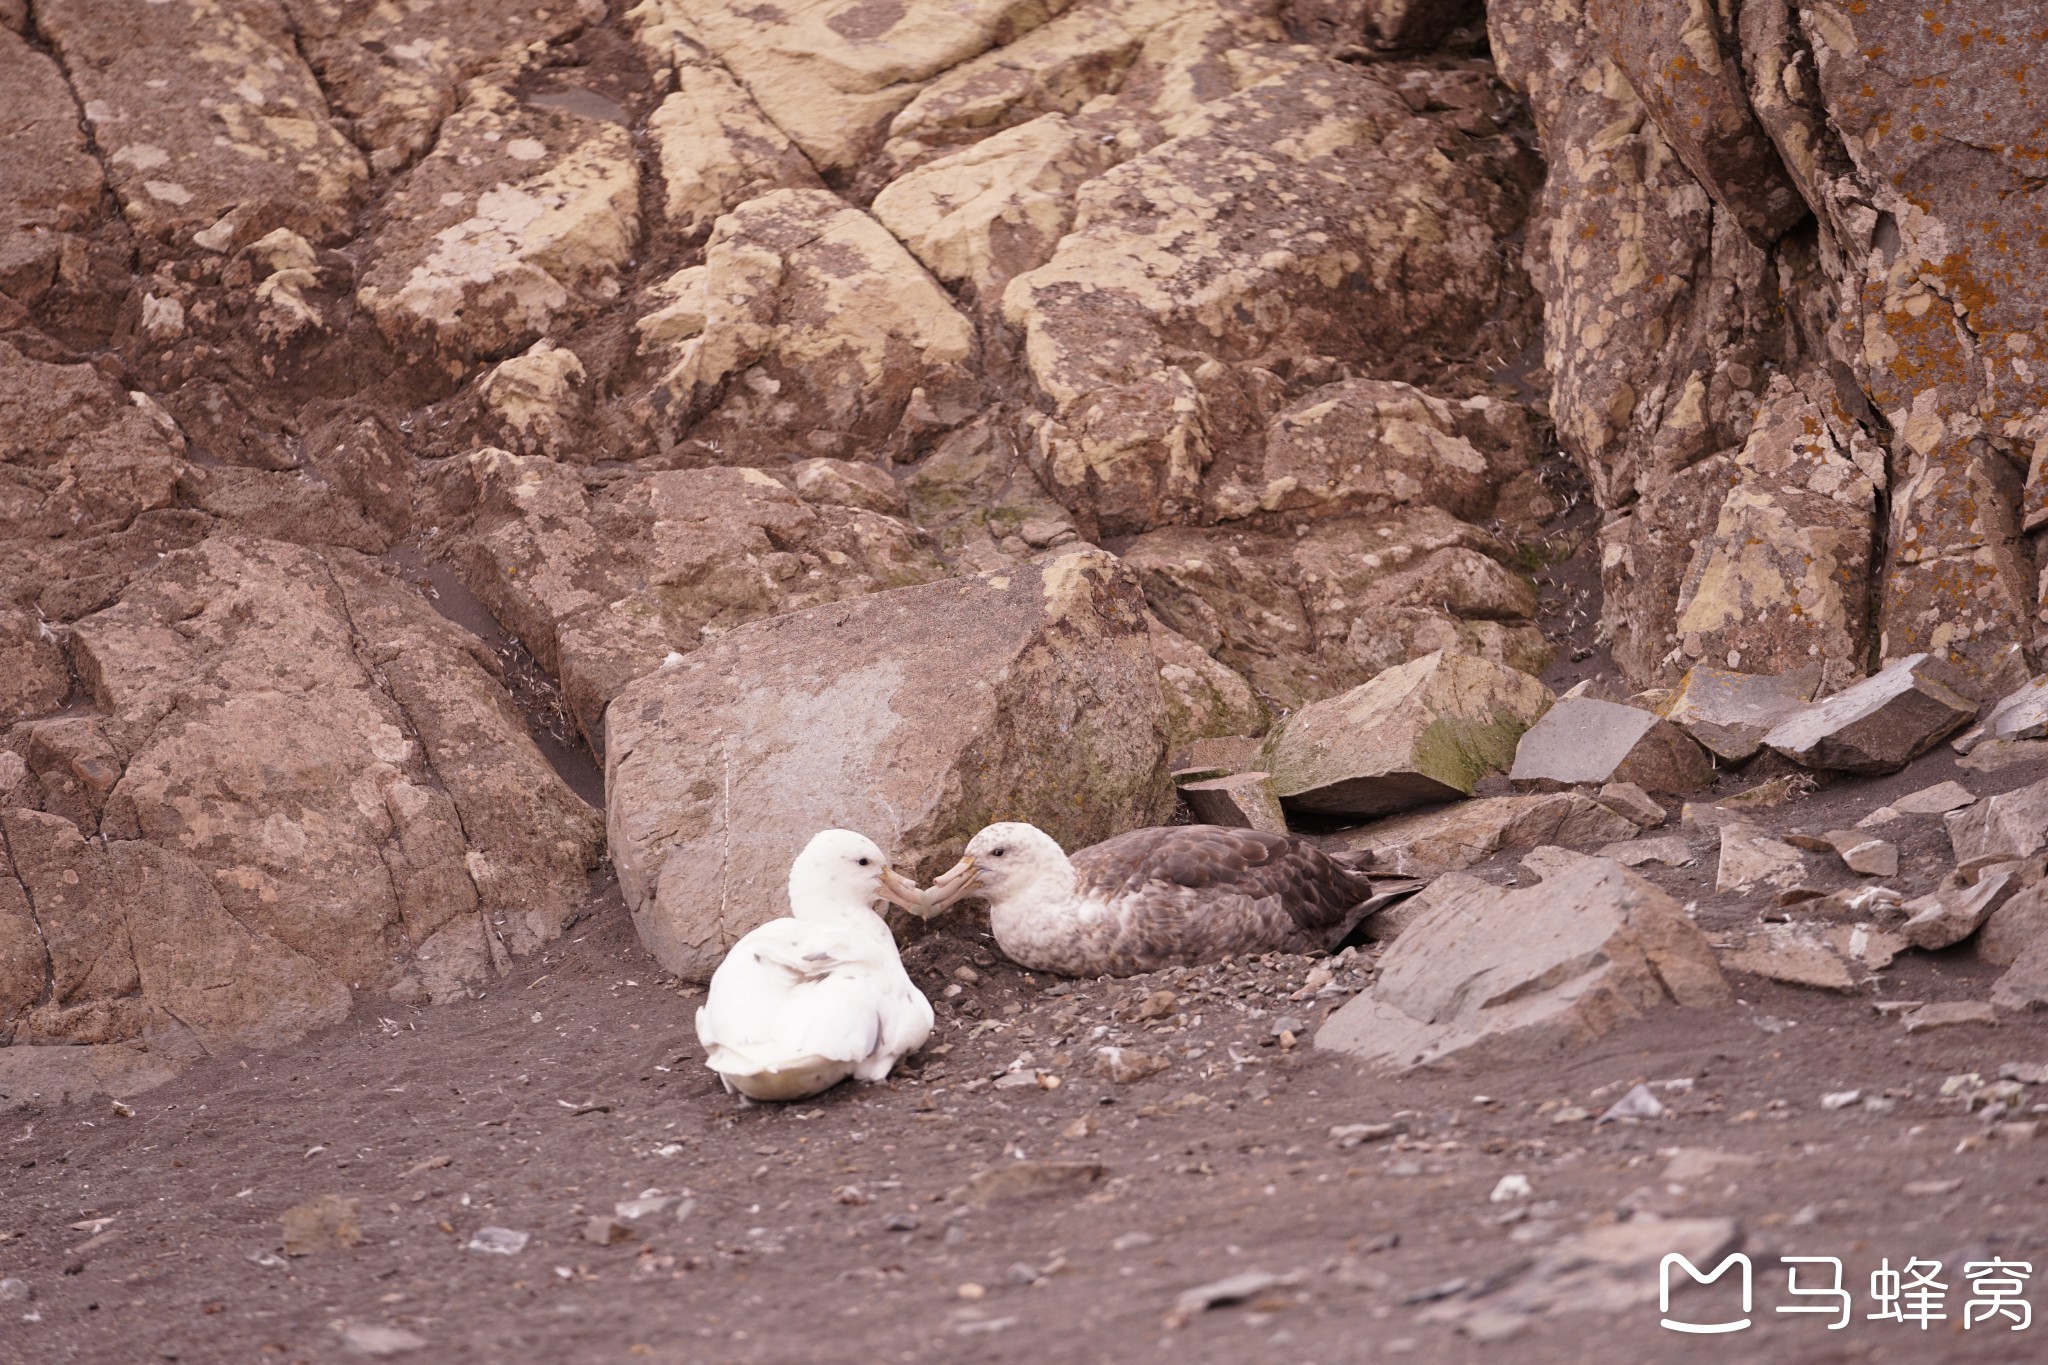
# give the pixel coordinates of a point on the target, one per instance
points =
(1863, 854)
(372, 1339)
(2026, 1073)
(1924, 1188)
(1638, 1103)
(1234, 1289)
(15, 1291)
(1669, 849)
(1749, 856)
(1122, 1065)
(321, 1224)
(1875, 726)
(1513, 1185)
(1158, 1005)
(1952, 914)
(1628, 800)
(604, 1232)
(646, 1206)
(1347, 1135)
(1840, 1099)
(1688, 1164)
(1583, 740)
(2020, 715)
(1241, 801)
(1939, 799)
(1730, 713)
(498, 1241)
(1950, 1014)
(2012, 824)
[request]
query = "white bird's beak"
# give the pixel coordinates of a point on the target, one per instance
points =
(950, 885)
(898, 889)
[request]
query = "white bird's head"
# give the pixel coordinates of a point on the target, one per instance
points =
(839, 869)
(1004, 861)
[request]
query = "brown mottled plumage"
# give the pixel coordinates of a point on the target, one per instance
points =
(1152, 898)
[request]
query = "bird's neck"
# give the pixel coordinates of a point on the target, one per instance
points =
(826, 900)
(1051, 891)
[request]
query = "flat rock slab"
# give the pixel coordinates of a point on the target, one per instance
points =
(915, 716)
(1422, 732)
(1668, 849)
(1861, 852)
(1730, 713)
(1241, 801)
(2012, 824)
(1749, 856)
(1496, 973)
(1939, 799)
(1429, 842)
(2025, 984)
(1950, 1014)
(1878, 725)
(1627, 799)
(1799, 956)
(2020, 715)
(1582, 739)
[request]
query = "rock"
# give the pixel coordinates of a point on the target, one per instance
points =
(915, 716)
(1875, 726)
(1939, 799)
(1994, 755)
(1610, 1269)
(1950, 915)
(1020, 1181)
(1236, 1288)
(519, 219)
(1581, 740)
(603, 583)
(1629, 800)
(1204, 698)
(1797, 955)
(843, 483)
(219, 140)
(324, 1224)
(275, 719)
(498, 1241)
(1428, 843)
(538, 398)
(2014, 926)
(1861, 853)
(372, 1339)
(1215, 756)
(717, 149)
(1501, 974)
(77, 458)
(2021, 715)
(831, 76)
(73, 1073)
(1637, 1104)
(2025, 984)
(14, 1290)
(1730, 713)
(1242, 801)
(605, 1232)
(34, 677)
(1749, 856)
(989, 212)
(1421, 732)
(1689, 1164)
(48, 177)
(1780, 582)
(1548, 860)
(396, 73)
(2012, 824)
(1304, 617)
(1669, 849)
(807, 326)
(1950, 1014)
(1258, 199)
(1123, 1065)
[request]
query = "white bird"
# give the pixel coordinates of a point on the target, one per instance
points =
(803, 1002)
(1165, 896)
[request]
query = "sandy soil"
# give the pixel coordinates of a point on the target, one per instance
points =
(843, 1229)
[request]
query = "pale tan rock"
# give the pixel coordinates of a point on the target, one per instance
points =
(206, 118)
(2012, 824)
(1429, 843)
(1425, 731)
(991, 211)
(832, 74)
(1730, 713)
(1996, 755)
(1795, 954)
(1203, 697)
(1504, 974)
(519, 218)
(1952, 914)
(1939, 799)
(1626, 798)
(1952, 1014)
(1877, 725)
(909, 715)
(1749, 856)
(846, 483)
(1669, 849)
(1263, 196)
(1242, 801)
(2014, 926)
(717, 149)
(538, 399)
(2019, 716)
(603, 584)
(1584, 740)
(1863, 854)
(807, 326)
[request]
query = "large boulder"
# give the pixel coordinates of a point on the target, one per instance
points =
(1729, 713)
(915, 716)
(1521, 975)
(1878, 725)
(603, 576)
(1428, 843)
(1422, 732)
(1586, 740)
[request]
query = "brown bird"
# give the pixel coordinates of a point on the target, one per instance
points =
(1160, 897)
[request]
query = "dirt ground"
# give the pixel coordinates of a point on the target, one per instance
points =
(846, 1229)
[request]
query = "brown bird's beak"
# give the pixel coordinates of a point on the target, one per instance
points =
(898, 889)
(950, 885)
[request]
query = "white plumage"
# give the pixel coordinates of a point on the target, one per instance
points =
(803, 1002)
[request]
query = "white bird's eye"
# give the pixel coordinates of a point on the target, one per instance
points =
(863, 862)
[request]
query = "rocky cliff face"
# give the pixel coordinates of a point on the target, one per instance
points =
(608, 331)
